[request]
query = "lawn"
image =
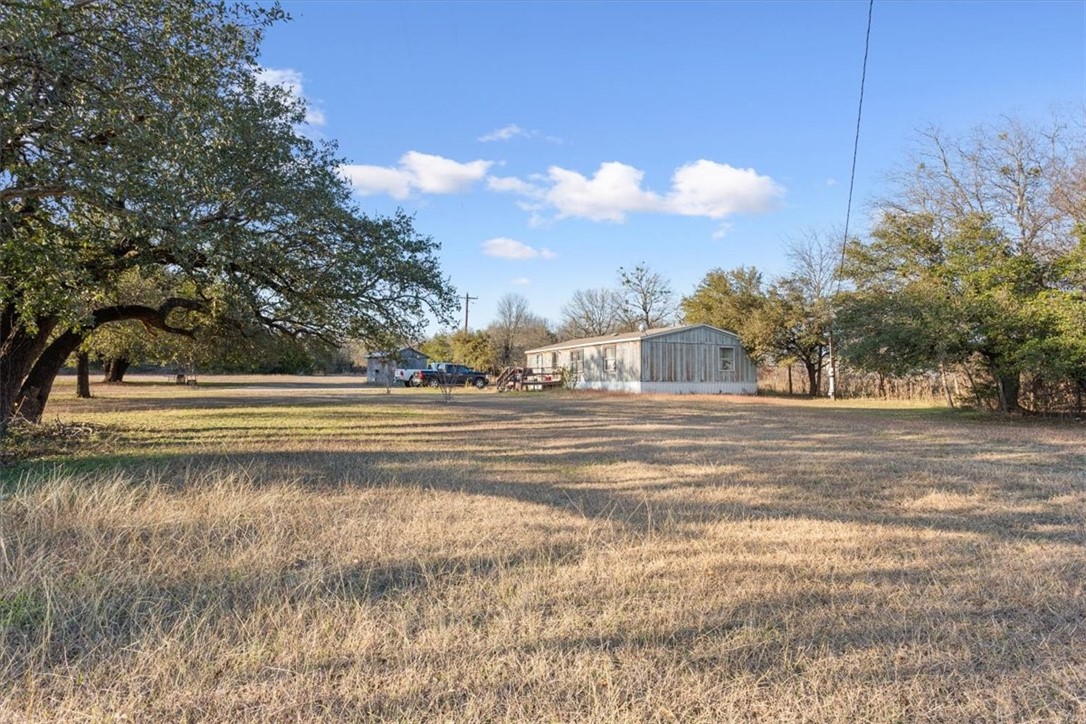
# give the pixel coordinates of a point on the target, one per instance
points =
(258, 549)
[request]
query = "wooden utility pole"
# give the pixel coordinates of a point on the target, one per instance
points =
(467, 305)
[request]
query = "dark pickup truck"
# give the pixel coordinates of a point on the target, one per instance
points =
(445, 373)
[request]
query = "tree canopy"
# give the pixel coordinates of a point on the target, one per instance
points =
(138, 139)
(975, 263)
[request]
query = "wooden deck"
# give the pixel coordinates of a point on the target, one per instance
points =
(529, 378)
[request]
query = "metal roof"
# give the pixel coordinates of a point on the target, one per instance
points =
(401, 350)
(620, 337)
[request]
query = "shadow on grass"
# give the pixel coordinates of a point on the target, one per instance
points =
(561, 451)
(666, 471)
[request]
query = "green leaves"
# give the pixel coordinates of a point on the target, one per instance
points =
(137, 141)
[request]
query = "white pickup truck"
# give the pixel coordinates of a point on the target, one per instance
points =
(405, 375)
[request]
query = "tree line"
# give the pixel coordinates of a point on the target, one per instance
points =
(974, 268)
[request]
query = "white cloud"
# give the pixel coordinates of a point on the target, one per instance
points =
(290, 80)
(716, 190)
(438, 175)
(721, 231)
(831, 181)
(521, 282)
(416, 172)
(505, 248)
(509, 184)
(504, 134)
(369, 180)
(609, 195)
(511, 131)
(701, 188)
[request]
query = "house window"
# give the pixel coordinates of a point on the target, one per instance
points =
(575, 357)
(727, 359)
(539, 361)
(610, 364)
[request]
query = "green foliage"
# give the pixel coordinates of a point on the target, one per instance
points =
(438, 348)
(785, 321)
(23, 610)
(138, 143)
(474, 349)
(928, 296)
(1060, 350)
(733, 300)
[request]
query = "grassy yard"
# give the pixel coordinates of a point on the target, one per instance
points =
(283, 548)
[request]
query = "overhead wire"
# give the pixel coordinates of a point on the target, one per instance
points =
(856, 141)
(851, 188)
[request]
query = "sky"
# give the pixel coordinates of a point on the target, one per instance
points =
(545, 145)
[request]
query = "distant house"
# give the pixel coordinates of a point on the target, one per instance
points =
(689, 359)
(380, 366)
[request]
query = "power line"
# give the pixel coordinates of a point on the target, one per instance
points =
(851, 187)
(856, 140)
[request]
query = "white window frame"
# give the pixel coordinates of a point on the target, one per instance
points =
(731, 359)
(610, 364)
(576, 360)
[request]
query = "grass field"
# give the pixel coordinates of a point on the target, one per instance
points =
(282, 548)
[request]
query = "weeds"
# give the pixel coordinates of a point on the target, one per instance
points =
(556, 557)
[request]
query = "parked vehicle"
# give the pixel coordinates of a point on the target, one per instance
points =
(446, 373)
(405, 375)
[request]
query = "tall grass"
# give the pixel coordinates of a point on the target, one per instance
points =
(567, 557)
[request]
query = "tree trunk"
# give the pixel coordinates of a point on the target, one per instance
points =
(812, 378)
(29, 363)
(39, 382)
(946, 384)
(973, 386)
(107, 365)
(789, 379)
(1009, 388)
(18, 350)
(117, 367)
(82, 381)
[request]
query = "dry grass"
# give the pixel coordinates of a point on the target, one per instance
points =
(284, 551)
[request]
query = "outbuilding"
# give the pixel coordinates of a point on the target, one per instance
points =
(688, 359)
(381, 366)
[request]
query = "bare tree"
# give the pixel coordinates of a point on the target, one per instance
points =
(816, 261)
(516, 328)
(647, 298)
(816, 258)
(592, 313)
(1016, 175)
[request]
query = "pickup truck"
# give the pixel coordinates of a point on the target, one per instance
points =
(448, 374)
(405, 375)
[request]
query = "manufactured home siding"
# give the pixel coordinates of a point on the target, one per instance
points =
(627, 362)
(693, 355)
(678, 360)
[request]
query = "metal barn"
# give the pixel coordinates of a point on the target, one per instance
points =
(689, 359)
(380, 366)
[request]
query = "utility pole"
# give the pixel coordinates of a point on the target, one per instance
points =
(467, 305)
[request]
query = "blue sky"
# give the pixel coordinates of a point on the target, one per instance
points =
(546, 144)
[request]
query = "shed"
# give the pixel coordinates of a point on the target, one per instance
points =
(687, 359)
(380, 366)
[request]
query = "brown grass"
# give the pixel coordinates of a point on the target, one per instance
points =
(293, 549)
